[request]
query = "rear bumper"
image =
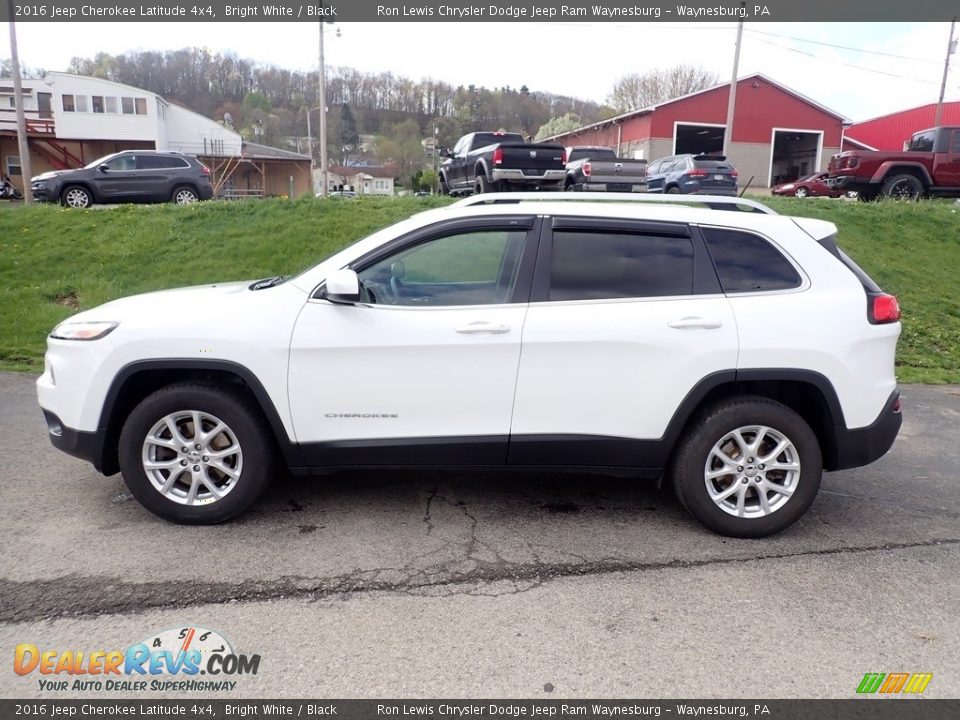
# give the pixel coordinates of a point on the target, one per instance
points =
(613, 186)
(205, 192)
(847, 182)
(519, 176)
(862, 446)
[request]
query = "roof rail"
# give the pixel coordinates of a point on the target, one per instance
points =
(714, 202)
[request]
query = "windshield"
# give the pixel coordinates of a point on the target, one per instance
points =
(101, 161)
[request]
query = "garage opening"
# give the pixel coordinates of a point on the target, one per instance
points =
(795, 154)
(698, 139)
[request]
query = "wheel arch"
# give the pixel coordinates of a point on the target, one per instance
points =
(808, 393)
(139, 379)
(889, 169)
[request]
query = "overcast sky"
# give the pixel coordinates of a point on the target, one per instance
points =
(890, 66)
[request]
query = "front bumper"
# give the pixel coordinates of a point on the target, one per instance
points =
(861, 446)
(42, 193)
(84, 445)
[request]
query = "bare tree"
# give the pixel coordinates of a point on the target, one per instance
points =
(634, 91)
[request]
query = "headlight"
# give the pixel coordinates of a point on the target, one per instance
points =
(83, 330)
(787, 187)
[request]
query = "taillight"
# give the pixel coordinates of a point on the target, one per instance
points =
(204, 170)
(883, 308)
(734, 173)
(848, 163)
(587, 169)
(563, 157)
(498, 156)
(697, 172)
(896, 405)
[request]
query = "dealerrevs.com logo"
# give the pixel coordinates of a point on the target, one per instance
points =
(181, 659)
(894, 683)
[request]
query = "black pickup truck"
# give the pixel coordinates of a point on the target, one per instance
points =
(492, 161)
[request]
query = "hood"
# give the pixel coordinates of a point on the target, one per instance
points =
(189, 304)
(48, 175)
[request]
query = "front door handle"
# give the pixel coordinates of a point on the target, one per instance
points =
(483, 328)
(695, 322)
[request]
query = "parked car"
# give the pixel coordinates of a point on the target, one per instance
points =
(811, 186)
(657, 339)
(929, 166)
(484, 162)
(692, 174)
(591, 167)
(341, 194)
(128, 176)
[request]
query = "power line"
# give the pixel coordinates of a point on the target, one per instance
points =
(844, 47)
(846, 64)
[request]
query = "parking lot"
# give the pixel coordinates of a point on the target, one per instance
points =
(453, 584)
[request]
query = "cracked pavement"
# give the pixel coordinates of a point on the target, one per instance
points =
(472, 584)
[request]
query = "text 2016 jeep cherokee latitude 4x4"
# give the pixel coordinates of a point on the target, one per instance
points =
(739, 354)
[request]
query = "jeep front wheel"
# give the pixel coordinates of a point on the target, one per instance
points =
(748, 467)
(196, 454)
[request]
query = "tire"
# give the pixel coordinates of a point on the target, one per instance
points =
(17, 195)
(801, 193)
(713, 432)
(146, 436)
(76, 196)
(673, 190)
(184, 195)
(902, 187)
(444, 188)
(482, 185)
(570, 187)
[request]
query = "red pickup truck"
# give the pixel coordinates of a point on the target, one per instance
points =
(930, 166)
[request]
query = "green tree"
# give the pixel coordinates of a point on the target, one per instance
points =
(633, 91)
(557, 125)
(348, 138)
(400, 144)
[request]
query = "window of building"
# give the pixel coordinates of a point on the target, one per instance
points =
(600, 265)
(68, 105)
(11, 102)
(127, 105)
(748, 263)
(140, 105)
(98, 103)
(82, 105)
(13, 165)
(110, 103)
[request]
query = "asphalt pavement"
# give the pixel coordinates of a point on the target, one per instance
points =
(468, 584)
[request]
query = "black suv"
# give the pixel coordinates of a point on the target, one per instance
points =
(128, 176)
(692, 174)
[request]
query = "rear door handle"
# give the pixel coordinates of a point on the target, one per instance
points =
(483, 328)
(695, 322)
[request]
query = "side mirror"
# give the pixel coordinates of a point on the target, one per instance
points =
(103, 168)
(343, 286)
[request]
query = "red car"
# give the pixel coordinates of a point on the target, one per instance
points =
(810, 186)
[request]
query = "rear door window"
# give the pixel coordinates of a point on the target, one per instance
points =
(748, 263)
(596, 265)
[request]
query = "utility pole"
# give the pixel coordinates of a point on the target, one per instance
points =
(732, 102)
(323, 118)
(951, 48)
(25, 170)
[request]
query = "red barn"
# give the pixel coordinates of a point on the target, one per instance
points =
(891, 132)
(778, 134)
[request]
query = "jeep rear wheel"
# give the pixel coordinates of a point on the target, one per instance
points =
(902, 187)
(184, 195)
(748, 467)
(196, 454)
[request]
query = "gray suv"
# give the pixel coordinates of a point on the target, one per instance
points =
(692, 174)
(128, 176)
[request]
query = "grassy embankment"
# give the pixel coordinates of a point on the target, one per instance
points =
(54, 261)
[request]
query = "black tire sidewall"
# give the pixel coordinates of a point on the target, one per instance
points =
(692, 456)
(242, 420)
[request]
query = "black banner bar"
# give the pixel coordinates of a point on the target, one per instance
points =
(478, 11)
(874, 708)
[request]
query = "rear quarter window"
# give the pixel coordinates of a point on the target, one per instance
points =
(748, 263)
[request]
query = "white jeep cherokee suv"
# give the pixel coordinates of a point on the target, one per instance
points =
(738, 354)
